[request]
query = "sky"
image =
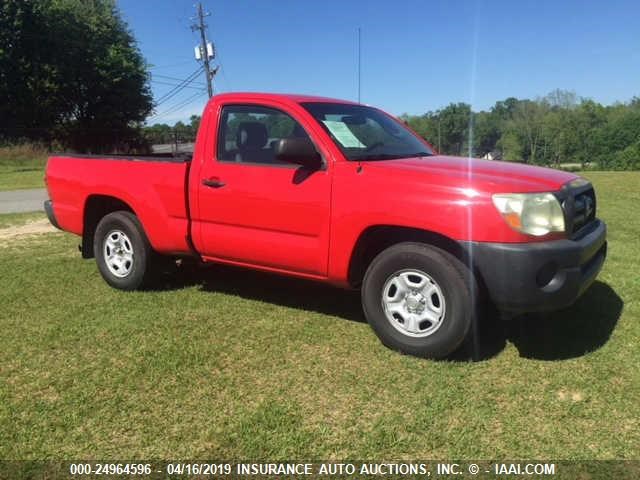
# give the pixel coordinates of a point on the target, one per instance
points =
(416, 56)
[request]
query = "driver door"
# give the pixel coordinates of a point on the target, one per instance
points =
(256, 210)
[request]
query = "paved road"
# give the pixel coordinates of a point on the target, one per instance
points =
(170, 148)
(16, 201)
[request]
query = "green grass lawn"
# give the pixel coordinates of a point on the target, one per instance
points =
(22, 166)
(8, 220)
(229, 364)
(21, 177)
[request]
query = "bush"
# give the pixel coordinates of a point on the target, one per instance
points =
(26, 155)
(627, 159)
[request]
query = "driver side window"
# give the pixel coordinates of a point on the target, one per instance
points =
(249, 133)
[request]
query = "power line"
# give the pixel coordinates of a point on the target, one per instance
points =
(156, 67)
(192, 87)
(222, 70)
(186, 102)
(178, 88)
(172, 78)
(180, 105)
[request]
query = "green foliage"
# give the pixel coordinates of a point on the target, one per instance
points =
(278, 126)
(627, 159)
(22, 166)
(486, 133)
(447, 129)
(194, 125)
(554, 130)
(509, 144)
(161, 133)
(25, 155)
(71, 72)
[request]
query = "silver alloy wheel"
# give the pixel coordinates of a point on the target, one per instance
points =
(118, 253)
(413, 303)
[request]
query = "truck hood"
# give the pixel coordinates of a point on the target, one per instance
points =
(491, 176)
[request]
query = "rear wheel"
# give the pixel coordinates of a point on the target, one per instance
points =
(419, 299)
(122, 251)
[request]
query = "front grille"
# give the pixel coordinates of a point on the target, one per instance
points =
(579, 207)
(584, 209)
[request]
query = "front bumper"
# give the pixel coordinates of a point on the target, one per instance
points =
(538, 276)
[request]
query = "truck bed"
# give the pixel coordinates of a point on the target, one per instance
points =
(153, 187)
(154, 157)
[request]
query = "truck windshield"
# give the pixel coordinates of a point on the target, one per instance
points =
(365, 133)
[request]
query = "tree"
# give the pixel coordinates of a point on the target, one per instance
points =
(621, 131)
(504, 109)
(194, 123)
(486, 132)
(453, 126)
(511, 147)
(424, 125)
(555, 129)
(70, 71)
(159, 134)
(527, 124)
(561, 99)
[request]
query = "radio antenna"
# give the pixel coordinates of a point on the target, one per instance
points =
(359, 63)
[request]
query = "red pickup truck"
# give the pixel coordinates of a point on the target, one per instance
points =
(342, 193)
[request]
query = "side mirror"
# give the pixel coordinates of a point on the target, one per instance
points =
(300, 151)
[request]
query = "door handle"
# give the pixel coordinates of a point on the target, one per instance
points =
(213, 183)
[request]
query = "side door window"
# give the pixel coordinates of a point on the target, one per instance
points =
(249, 134)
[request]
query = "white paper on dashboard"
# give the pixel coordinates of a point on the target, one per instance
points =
(343, 134)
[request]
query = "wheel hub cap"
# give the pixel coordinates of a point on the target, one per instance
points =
(118, 253)
(413, 303)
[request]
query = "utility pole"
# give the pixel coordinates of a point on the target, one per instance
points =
(206, 49)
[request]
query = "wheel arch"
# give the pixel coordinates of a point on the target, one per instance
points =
(95, 208)
(377, 238)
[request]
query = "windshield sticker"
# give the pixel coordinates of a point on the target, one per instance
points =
(342, 133)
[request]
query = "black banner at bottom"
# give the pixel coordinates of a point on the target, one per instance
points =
(246, 469)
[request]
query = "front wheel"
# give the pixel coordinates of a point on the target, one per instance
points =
(122, 251)
(419, 299)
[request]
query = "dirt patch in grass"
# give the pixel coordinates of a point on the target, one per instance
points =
(35, 227)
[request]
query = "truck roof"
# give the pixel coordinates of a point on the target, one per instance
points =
(291, 97)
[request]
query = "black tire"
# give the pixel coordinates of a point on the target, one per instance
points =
(137, 271)
(456, 286)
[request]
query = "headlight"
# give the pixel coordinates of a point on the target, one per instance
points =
(532, 213)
